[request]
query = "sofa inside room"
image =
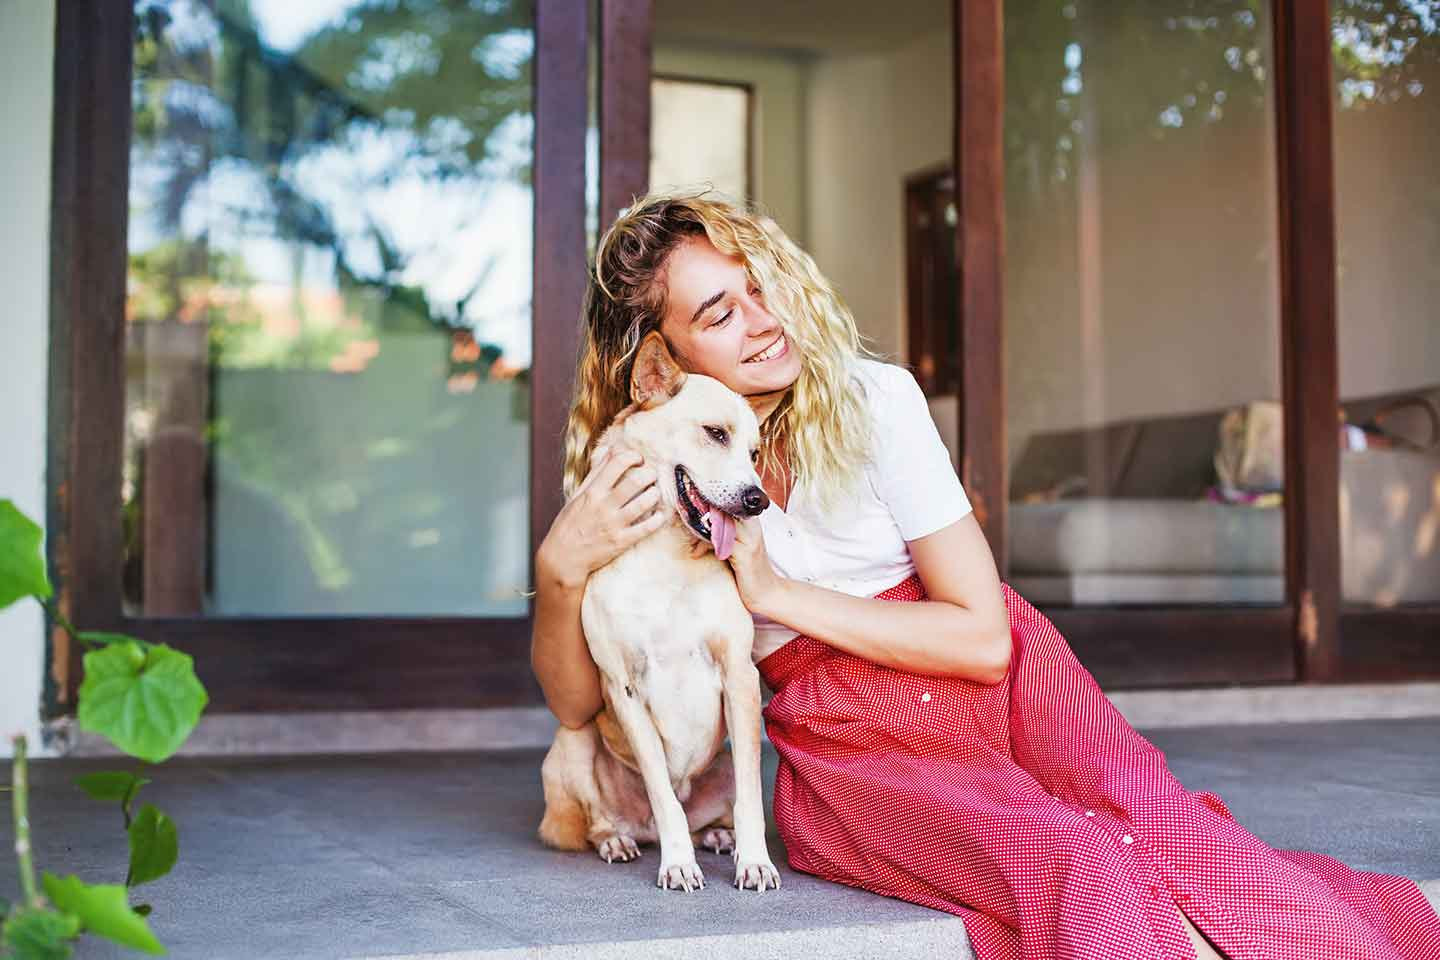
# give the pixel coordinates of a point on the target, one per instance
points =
(1134, 512)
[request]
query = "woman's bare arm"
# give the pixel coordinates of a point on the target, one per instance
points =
(963, 630)
(558, 653)
(615, 506)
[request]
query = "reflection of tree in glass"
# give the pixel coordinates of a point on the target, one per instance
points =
(1385, 50)
(447, 87)
(1170, 67)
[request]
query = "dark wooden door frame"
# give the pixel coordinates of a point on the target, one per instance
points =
(978, 60)
(626, 58)
(1310, 377)
(90, 173)
(297, 663)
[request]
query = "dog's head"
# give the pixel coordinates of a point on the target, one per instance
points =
(702, 438)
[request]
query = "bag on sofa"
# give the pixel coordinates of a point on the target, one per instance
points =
(1250, 456)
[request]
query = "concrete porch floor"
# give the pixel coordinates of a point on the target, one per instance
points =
(435, 855)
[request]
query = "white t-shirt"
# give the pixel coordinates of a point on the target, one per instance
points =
(909, 491)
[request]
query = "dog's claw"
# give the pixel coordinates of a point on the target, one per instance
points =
(681, 876)
(720, 840)
(618, 847)
(757, 876)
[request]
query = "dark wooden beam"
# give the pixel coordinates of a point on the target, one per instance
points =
(90, 173)
(1310, 366)
(263, 664)
(1160, 647)
(561, 113)
(979, 57)
(1394, 644)
(626, 30)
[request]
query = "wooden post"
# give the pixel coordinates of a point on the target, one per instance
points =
(561, 112)
(626, 30)
(1310, 366)
(979, 58)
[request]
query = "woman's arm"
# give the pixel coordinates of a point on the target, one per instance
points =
(615, 506)
(558, 653)
(963, 630)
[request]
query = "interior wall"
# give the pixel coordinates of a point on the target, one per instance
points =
(1387, 221)
(27, 45)
(873, 120)
(1127, 297)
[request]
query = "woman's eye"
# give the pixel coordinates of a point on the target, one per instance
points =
(722, 319)
(718, 435)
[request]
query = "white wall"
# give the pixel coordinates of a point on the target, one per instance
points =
(27, 43)
(874, 119)
(778, 81)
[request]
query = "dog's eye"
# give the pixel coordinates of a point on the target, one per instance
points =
(754, 456)
(718, 434)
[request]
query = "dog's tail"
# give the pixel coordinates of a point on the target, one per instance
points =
(566, 825)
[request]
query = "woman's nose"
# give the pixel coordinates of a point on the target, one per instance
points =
(763, 326)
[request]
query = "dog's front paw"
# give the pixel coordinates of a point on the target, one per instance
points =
(617, 847)
(757, 876)
(680, 876)
(719, 839)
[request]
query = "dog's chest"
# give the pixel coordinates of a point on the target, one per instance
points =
(656, 625)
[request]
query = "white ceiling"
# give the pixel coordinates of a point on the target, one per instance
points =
(801, 27)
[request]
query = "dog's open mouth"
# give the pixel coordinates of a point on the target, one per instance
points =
(706, 519)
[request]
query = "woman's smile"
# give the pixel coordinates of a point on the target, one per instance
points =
(777, 349)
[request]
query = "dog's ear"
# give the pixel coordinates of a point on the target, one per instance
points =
(656, 377)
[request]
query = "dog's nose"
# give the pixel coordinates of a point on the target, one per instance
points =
(754, 501)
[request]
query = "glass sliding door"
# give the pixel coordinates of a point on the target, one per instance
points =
(1387, 221)
(328, 310)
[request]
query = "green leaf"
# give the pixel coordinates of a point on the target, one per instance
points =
(103, 910)
(22, 565)
(106, 785)
(33, 933)
(145, 701)
(154, 846)
(103, 639)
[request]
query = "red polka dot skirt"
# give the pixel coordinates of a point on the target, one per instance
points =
(1034, 811)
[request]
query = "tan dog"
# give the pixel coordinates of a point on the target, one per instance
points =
(665, 625)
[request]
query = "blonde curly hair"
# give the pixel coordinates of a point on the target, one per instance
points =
(820, 424)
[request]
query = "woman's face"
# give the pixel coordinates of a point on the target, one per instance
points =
(717, 324)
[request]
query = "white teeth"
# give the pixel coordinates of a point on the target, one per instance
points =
(769, 352)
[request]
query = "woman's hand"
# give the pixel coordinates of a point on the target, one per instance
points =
(757, 580)
(615, 506)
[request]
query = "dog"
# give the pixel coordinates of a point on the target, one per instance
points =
(672, 639)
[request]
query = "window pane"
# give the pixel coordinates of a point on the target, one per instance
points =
(1387, 212)
(700, 134)
(328, 336)
(1142, 329)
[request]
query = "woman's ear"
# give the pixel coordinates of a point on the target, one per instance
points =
(655, 377)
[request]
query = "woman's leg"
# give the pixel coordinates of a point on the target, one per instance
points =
(1247, 897)
(1032, 876)
(1204, 949)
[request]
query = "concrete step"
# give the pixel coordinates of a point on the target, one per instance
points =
(434, 855)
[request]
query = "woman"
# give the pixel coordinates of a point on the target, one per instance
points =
(939, 742)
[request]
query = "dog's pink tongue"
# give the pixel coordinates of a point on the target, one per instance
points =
(722, 533)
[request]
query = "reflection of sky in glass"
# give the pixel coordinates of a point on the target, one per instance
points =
(448, 234)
